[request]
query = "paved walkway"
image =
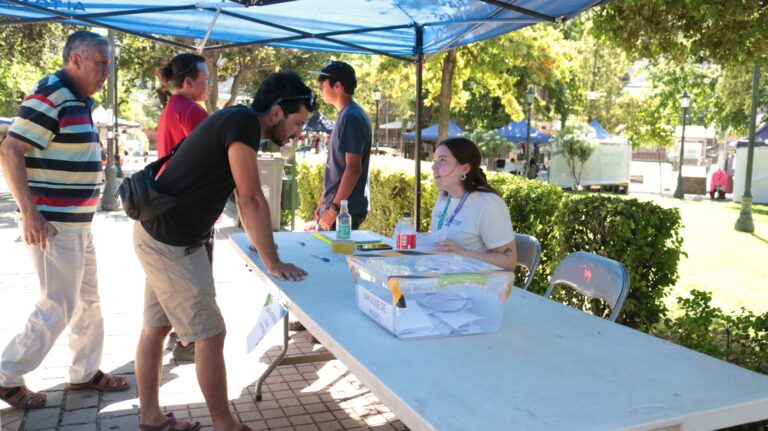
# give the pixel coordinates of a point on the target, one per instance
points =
(322, 396)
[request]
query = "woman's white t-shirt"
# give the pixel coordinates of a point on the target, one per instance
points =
(483, 222)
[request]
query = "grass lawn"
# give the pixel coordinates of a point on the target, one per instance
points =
(721, 260)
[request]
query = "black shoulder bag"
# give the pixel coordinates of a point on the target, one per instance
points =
(142, 200)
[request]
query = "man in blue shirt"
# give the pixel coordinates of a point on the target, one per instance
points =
(346, 172)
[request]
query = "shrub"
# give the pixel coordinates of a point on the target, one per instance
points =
(641, 235)
(739, 338)
(533, 208)
(391, 194)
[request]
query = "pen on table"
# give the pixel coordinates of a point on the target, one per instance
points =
(324, 259)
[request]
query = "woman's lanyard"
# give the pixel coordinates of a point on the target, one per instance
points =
(455, 212)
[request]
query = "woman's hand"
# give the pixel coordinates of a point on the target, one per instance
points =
(448, 246)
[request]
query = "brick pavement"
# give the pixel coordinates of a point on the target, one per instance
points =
(322, 396)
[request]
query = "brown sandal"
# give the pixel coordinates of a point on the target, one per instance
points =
(21, 397)
(170, 425)
(101, 381)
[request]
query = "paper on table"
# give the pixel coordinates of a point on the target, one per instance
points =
(458, 319)
(426, 241)
(357, 236)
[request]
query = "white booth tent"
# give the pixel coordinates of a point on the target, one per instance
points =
(607, 166)
(759, 167)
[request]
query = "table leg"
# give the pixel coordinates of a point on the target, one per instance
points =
(282, 360)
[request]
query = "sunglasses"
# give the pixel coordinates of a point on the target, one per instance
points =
(311, 98)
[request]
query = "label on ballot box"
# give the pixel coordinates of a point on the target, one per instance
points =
(427, 295)
(376, 308)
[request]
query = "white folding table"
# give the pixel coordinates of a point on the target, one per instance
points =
(549, 367)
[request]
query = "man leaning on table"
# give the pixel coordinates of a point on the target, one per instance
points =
(219, 155)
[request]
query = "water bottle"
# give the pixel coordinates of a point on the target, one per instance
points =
(344, 222)
(405, 234)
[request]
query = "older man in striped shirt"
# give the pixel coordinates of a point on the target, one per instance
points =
(52, 164)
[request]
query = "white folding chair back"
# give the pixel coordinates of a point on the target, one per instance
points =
(528, 256)
(595, 277)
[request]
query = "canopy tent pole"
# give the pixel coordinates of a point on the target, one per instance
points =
(202, 43)
(419, 106)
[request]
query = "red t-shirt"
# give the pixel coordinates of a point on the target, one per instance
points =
(179, 117)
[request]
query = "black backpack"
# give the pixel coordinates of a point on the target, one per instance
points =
(142, 200)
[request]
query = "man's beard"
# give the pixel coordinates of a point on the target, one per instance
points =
(274, 134)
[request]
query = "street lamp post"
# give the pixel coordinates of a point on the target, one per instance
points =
(377, 98)
(529, 103)
(108, 199)
(685, 101)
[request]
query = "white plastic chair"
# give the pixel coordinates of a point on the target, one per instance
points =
(595, 277)
(528, 256)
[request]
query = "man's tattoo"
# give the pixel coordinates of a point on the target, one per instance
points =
(507, 251)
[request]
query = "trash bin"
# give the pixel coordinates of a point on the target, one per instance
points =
(291, 201)
(271, 177)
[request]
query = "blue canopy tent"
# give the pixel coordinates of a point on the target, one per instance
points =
(602, 135)
(319, 123)
(408, 30)
(517, 131)
(430, 133)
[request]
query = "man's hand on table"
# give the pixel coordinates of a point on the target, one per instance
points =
(287, 271)
(327, 219)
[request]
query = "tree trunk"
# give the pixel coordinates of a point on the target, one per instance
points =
(211, 104)
(237, 80)
(446, 93)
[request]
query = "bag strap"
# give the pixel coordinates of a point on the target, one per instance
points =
(155, 166)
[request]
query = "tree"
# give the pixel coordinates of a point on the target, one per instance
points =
(491, 145)
(28, 52)
(730, 34)
(575, 145)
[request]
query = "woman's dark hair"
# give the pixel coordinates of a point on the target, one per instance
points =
(465, 151)
(287, 90)
(182, 66)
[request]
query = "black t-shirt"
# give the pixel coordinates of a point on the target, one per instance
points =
(200, 176)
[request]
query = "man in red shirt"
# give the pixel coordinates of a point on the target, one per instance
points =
(188, 74)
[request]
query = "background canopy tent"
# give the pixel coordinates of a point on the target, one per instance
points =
(405, 29)
(102, 117)
(319, 123)
(602, 136)
(761, 137)
(430, 133)
(516, 131)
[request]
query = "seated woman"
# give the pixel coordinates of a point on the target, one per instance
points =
(475, 218)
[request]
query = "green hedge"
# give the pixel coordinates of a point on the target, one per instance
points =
(391, 194)
(642, 236)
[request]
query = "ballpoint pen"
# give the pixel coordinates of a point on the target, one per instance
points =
(324, 259)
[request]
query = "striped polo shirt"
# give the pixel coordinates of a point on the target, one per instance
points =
(64, 166)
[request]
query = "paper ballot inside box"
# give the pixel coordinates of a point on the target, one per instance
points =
(431, 295)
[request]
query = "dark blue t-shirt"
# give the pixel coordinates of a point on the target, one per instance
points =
(352, 134)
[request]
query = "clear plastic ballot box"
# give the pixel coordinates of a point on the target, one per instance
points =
(417, 295)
